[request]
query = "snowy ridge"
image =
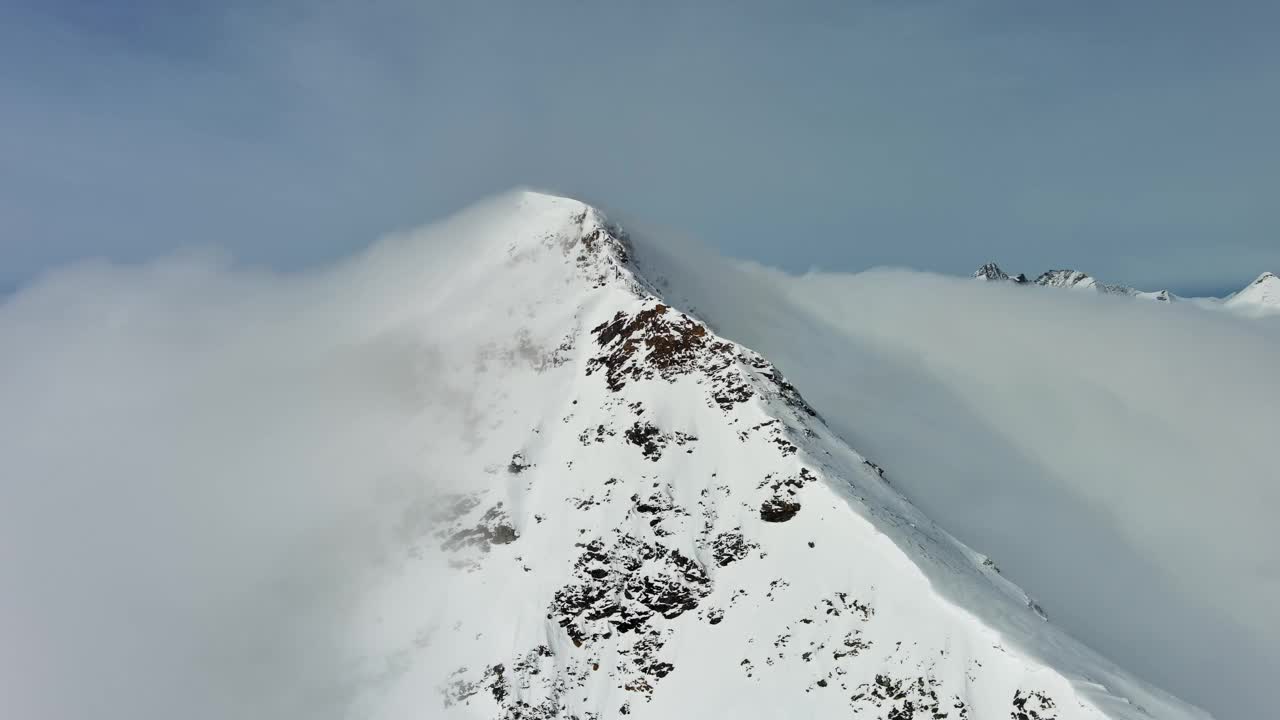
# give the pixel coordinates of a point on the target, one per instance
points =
(1259, 298)
(1072, 280)
(1076, 280)
(634, 516)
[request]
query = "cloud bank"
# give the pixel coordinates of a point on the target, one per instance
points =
(200, 462)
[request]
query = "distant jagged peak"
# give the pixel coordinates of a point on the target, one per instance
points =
(1074, 280)
(1116, 289)
(991, 272)
(1067, 279)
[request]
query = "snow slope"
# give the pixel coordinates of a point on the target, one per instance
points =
(1260, 297)
(630, 515)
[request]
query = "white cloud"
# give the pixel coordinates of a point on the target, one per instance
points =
(196, 460)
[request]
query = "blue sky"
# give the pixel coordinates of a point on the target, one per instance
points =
(1134, 140)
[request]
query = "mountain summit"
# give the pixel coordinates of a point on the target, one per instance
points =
(634, 516)
(1067, 279)
(991, 272)
(1260, 297)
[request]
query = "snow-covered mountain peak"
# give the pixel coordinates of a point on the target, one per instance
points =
(542, 222)
(991, 272)
(632, 515)
(1260, 297)
(1067, 279)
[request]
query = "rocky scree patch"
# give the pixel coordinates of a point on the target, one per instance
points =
(469, 543)
(618, 590)
(531, 687)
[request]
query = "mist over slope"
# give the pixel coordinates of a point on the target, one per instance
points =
(206, 465)
(200, 465)
(1115, 458)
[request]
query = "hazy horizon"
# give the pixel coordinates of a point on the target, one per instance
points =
(1134, 142)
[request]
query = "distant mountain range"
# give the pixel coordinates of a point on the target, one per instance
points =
(1260, 297)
